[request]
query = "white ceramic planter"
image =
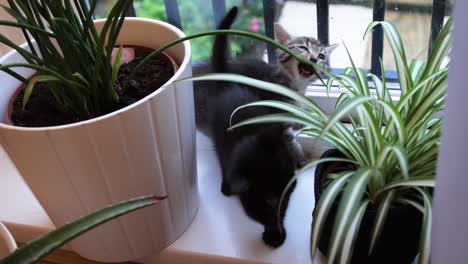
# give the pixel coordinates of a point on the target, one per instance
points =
(7, 242)
(146, 148)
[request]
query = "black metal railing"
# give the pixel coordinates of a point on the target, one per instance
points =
(378, 14)
(439, 9)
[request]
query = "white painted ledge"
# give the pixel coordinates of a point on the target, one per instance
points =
(220, 233)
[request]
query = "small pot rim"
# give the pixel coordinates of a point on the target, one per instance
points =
(185, 63)
(7, 238)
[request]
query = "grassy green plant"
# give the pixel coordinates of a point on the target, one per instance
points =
(394, 143)
(44, 245)
(69, 53)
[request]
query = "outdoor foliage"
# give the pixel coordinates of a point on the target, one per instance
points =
(196, 19)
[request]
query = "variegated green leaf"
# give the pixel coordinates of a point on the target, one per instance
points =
(273, 118)
(425, 239)
(411, 182)
(352, 199)
(323, 206)
(399, 152)
(352, 233)
(294, 179)
(350, 105)
(271, 87)
(292, 109)
(380, 218)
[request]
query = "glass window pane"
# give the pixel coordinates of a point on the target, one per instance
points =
(347, 21)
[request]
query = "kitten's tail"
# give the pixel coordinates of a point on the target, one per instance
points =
(220, 47)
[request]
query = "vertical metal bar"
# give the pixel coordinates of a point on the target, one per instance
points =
(438, 13)
(172, 12)
(377, 37)
(219, 10)
(131, 12)
(269, 18)
(322, 21)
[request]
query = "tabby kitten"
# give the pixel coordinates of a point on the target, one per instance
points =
(307, 47)
(288, 72)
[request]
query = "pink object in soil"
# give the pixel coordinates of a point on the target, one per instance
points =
(254, 25)
(128, 54)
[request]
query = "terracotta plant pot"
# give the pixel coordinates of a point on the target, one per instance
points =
(145, 148)
(399, 239)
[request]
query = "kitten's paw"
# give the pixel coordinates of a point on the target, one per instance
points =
(274, 238)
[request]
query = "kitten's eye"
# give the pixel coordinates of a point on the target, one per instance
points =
(321, 56)
(304, 48)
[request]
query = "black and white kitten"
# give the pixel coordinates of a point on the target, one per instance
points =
(257, 161)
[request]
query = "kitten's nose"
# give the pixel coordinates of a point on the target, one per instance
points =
(314, 60)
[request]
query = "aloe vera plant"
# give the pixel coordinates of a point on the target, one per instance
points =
(393, 143)
(44, 245)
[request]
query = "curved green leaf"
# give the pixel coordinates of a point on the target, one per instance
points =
(116, 66)
(273, 118)
(381, 218)
(267, 86)
(351, 234)
(320, 70)
(399, 152)
(290, 108)
(323, 206)
(425, 239)
(39, 248)
(411, 182)
(348, 106)
(294, 179)
(352, 199)
(29, 88)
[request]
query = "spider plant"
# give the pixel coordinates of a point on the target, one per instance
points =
(44, 245)
(394, 143)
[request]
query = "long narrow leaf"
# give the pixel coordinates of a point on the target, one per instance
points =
(292, 109)
(116, 66)
(352, 199)
(380, 218)
(271, 87)
(425, 239)
(322, 208)
(39, 248)
(29, 88)
(411, 182)
(294, 179)
(352, 233)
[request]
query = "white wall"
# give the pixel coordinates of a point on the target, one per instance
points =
(450, 220)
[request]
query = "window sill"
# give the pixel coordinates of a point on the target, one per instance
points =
(229, 236)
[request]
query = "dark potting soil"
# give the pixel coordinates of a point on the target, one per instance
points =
(42, 111)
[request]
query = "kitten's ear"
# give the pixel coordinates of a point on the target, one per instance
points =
(281, 35)
(331, 48)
